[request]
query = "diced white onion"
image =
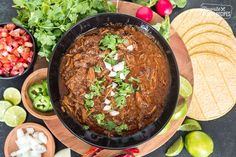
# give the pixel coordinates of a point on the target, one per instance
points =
(116, 57)
(4, 53)
(119, 67)
(20, 133)
(122, 76)
(29, 130)
(130, 47)
(42, 138)
(107, 102)
(108, 66)
(107, 108)
(112, 74)
(112, 93)
(114, 113)
(9, 48)
(114, 85)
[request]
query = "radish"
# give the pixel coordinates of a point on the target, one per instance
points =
(164, 7)
(144, 13)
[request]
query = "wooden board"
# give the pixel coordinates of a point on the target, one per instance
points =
(185, 68)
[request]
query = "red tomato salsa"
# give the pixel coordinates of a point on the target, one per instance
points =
(16, 50)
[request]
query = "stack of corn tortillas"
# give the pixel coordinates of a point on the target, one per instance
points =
(212, 48)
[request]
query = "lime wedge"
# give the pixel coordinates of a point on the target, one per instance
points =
(13, 95)
(176, 148)
(190, 125)
(180, 111)
(14, 116)
(4, 105)
(165, 129)
(185, 87)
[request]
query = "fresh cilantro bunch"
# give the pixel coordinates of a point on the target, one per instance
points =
(49, 19)
(164, 28)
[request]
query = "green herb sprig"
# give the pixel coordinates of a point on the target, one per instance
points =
(49, 19)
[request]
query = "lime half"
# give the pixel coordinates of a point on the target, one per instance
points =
(14, 116)
(4, 105)
(186, 88)
(176, 148)
(13, 95)
(199, 144)
(190, 125)
(180, 111)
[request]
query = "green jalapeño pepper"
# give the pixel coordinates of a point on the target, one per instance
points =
(45, 87)
(35, 90)
(42, 103)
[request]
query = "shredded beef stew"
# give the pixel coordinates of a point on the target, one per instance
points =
(114, 80)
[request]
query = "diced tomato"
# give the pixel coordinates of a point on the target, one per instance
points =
(25, 55)
(12, 58)
(4, 60)
(14, 72)
(26, 37)
(15, 52)
(22, 31)
(1, 71)
(28, 44)
(8, 40)
(15, 33)
(0, 64)
(2, 46)
(15, 44)
(3, 29)
(20, 41)
(29, 59)
(10, 26)
(4, 34)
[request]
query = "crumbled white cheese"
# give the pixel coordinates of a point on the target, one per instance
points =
(119, 67)
(112, 74)
(107, 102)
(114, 113)
(107, 108)
(122, 76)
(114, 85)
(112, 93)
(108, 66)
(130, 47)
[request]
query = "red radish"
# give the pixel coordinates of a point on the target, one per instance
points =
(144, 13)
(164, 7)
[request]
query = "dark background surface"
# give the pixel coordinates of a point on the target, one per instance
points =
(222, 130)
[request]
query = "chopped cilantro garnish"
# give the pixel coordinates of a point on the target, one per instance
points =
(98, 69)
(95, 90)
(85, 127)
(100, 119)
(110, 41)
(110, 125)
(119, 129)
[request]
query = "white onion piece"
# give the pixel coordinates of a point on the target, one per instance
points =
(112, 93)
(119, 67)
(114, 85)
(30, 130)
(130, 47)
(39, 149)
(112, 74)
(19, 133)
(114, 113)
(122, 76)
(34, 154)
(107, 108)
(108, 66)
(116, 57)
(107, 102)
(20, 151)
(63, 153)
(42, 138)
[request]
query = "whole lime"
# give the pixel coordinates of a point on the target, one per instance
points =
(199, 144)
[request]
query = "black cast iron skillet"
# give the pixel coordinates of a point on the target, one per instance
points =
(90, 136)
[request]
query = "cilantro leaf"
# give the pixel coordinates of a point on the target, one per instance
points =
(110, 125)
(164, 28)
(119, 129)
(98, 69)
(100, 119)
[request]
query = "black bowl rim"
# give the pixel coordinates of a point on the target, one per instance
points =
(177, 82)
(34, 52)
